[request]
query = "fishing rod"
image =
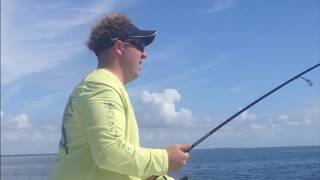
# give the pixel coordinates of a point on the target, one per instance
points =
(247, 107)
(253, 103)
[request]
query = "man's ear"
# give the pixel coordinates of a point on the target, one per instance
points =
(118, 45)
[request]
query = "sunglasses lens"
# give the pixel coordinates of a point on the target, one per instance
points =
(137, 44)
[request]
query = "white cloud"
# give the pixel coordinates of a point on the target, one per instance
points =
(313, 112)
(256, 126)
(283, 117)
(294, 123)
(49, 128)
(307, 121)
(21, 121)
(2, 114)
(19, 136)
(163, 122)
(247, 116)
(37, 135)
(160, 109)
(220, 5)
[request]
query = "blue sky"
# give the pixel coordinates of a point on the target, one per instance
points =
(209, 59)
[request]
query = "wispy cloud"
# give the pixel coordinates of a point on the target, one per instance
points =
(220, 5)
(98, 7)
(173, 52)
(40, 104)
(234, 89)
(42, 41)
(201, 68)
(192, 84)
(180, 75)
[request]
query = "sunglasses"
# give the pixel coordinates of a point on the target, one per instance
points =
(136, 44)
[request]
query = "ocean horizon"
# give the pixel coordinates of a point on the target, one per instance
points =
(290, 162)
(262, 147)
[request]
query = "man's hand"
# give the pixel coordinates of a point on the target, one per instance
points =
(177, 156)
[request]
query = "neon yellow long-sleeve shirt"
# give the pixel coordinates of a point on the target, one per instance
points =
(100, 139)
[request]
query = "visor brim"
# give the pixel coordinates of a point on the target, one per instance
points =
(147, 36)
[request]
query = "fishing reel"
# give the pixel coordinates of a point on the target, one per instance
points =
(165, 178)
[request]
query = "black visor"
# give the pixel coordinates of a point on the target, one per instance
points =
(147, 36)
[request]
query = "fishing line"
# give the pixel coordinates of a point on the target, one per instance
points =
(253, 103)
(309, 82)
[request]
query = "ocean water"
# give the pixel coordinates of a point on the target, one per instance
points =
(284, 163)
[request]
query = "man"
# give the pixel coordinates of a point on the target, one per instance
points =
(100, 139)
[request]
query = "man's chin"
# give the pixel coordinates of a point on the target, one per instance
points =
(134, 77)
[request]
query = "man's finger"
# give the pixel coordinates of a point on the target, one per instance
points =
(185, 147)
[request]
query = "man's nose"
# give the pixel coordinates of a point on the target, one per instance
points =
(144, 55)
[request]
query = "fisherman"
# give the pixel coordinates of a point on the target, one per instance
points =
(99, 139)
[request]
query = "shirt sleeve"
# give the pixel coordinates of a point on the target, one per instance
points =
(106, 123)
